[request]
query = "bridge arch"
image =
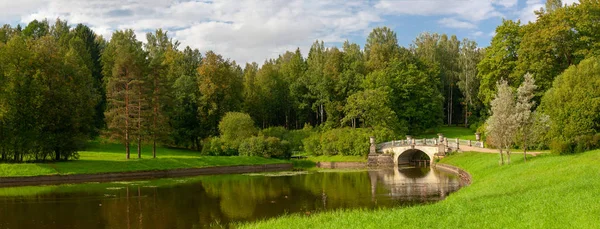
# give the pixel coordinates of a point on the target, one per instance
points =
(413, 154)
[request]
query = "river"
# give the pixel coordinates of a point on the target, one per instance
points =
(218, 200)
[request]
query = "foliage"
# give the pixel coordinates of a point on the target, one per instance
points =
(344, 141)
(502, 125)
(235, 127)
(269, 147)
(47, 99)
(216, 146)
(573, 107)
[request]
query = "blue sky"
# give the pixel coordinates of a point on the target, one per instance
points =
(254, 30)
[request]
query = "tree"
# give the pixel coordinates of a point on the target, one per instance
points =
(381, 48)
(92, 45)
(501, 125)
(123, 68)
(444, 52)
(220, 88)
(235, 127)
(158, 46)
(414, 94)
(184, 119)
(468, 82)
(372, 107)
(499, 61)
(573, 107)
(552, 5)
(523, 111)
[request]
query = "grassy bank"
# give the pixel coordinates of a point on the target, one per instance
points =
(451, 132)
(109, 157)
(546, 192)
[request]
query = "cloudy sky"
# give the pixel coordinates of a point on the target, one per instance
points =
(253, 30)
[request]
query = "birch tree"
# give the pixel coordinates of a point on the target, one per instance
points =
(501, 125)
(523, 114)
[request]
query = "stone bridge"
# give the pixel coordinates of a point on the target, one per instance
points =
(412, 151)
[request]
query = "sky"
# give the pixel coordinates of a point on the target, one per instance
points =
(256, 30)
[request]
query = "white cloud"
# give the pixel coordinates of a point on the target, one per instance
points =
(253, 30)
(454, 23)
(471, 10)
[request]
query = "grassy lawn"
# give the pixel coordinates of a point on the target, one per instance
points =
(451, 132)
(110, 157)
(546, 192)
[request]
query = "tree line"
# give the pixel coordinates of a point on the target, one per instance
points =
(64, 85)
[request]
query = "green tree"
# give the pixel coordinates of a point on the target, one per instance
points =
(523, 111)
(468, 83)
(372, 107)
(235, 127)
(573, 106)
(159, 85)
(93, 47)
(124, 68)
(220, 88)
(502, 125)
(499, 61)
(186, 129)
(381, 48)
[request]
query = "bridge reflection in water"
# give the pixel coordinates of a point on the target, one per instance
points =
(413, 184)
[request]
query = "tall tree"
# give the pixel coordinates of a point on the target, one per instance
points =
(93, 47)
(523, 111)
(184, 118)
(220, 86)
(160, 85)
(123, 68)
(468, 83)
(501, 125)
(381, 48)
(499, 61)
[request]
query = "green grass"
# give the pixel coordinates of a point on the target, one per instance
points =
(451, 132)
(110, 157)
(546, 192)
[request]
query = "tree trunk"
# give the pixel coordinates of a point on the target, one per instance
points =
(501, 157)
(127, 119)
(139, 121)
(508, 156)
(154, 149)
(524, 148)
(466, 114)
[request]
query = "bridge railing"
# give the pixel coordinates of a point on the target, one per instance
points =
(452, 143)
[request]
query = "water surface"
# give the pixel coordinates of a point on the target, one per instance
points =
(214, 201)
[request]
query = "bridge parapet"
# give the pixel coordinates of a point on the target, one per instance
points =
(449, 143)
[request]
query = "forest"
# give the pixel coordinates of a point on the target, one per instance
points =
(63, 85)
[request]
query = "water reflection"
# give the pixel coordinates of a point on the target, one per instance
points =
(212, 201)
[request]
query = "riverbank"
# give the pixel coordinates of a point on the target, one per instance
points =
(546, 192)
(110, 158)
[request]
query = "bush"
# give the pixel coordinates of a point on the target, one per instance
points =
(574, 108)
(277, 131)
(345, 141)
(215, 146)
(235, 127)
(269, 147)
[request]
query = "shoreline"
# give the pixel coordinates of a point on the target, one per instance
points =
(139, 175)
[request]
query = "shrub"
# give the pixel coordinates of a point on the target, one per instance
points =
(235, 127)
(277, 131)
(345, 141)
(573, 107)
(265, 147)
(215, 146)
